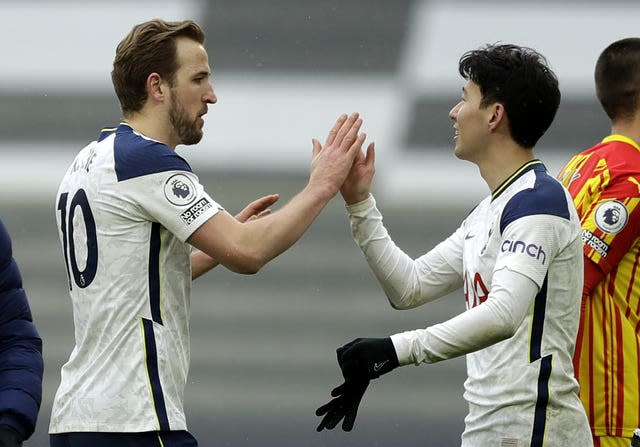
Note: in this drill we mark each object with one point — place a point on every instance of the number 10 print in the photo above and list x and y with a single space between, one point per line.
85 277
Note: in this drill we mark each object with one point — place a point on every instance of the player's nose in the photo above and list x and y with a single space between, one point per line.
453 113
210 96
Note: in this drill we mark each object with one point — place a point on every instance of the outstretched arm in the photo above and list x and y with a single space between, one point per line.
201 263
407 282
245 248
365 359
497 319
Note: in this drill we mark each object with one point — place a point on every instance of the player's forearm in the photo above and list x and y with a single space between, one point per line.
247 247
201 263
277 232
391 266
468 332
495 320
406 282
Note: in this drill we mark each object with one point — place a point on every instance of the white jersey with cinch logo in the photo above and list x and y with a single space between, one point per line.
522 390
124 210
518 259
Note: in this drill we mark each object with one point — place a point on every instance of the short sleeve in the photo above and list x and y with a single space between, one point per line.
609 230
175 199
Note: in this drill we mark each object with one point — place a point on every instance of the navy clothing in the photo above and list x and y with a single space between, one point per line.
179 438
21 364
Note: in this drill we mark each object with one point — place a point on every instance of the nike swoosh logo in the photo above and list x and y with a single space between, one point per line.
469 236
378 366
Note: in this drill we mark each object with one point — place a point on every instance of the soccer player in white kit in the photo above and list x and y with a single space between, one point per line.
129 210
517 257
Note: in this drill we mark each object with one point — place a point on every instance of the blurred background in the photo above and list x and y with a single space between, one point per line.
263 346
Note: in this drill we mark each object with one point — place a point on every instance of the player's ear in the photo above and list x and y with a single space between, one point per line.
155 87
497 116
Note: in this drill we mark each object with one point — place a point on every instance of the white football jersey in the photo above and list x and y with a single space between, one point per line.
523 390
519 248
124 210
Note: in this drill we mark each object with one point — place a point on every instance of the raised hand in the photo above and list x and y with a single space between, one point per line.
332 162
357 185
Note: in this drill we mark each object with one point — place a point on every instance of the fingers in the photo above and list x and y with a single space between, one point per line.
259 215
355 392
350 416
345 126
355 148
344 134
339 390
333 413
263 203
348 133
329 421
344 407
257 208
334 130
324 409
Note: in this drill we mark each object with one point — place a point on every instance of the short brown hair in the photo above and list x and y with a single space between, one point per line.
148 48
617 78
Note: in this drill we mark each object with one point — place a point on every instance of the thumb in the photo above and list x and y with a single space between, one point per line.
371 153
317 147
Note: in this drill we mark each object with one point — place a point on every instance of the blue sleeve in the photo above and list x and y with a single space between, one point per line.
21 364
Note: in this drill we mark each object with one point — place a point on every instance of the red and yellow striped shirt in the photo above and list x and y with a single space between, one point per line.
604 182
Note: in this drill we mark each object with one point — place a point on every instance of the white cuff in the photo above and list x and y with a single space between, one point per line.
360 209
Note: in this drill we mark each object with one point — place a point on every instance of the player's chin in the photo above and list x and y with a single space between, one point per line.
197 137
193 137
457 149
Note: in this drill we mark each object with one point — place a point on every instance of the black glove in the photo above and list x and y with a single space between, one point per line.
360 361
9 437
344 406
367 358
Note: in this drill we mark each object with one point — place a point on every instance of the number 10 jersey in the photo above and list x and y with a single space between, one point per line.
125 208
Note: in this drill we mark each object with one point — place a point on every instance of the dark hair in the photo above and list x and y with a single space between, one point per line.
520 79
618 78
149 47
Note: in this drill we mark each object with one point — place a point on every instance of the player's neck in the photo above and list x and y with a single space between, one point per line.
628 128
502 162
151 127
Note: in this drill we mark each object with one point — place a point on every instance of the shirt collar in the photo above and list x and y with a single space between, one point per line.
528 166
622 139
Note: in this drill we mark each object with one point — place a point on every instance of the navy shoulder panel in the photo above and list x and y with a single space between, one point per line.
136 156
104 133
546 197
